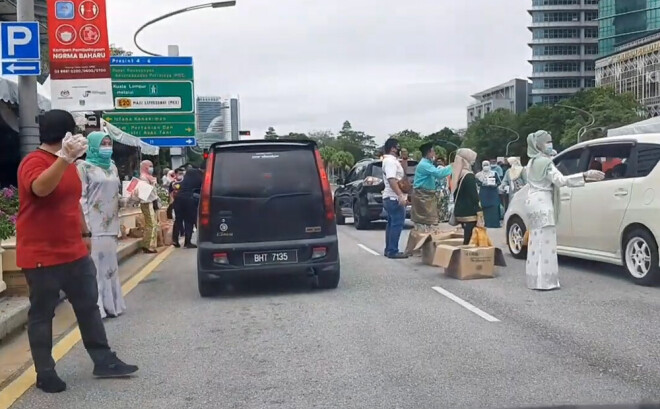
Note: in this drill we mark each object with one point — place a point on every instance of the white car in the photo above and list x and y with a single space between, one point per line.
614 221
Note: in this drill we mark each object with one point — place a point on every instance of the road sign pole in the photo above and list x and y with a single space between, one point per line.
176 154
28 104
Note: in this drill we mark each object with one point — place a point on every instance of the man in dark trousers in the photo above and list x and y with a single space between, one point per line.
52 248
186 202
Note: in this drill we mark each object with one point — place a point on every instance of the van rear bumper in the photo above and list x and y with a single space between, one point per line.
209 271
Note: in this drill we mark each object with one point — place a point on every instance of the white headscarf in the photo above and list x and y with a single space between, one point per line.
516 168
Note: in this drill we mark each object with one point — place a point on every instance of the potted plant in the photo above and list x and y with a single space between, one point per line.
8 212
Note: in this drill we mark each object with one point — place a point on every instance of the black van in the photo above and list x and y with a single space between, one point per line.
266 208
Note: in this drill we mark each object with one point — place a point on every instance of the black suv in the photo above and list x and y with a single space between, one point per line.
266 208
360 195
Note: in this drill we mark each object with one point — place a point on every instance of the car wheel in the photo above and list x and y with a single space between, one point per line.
359 219
206 289
640 256
515 238
329 280
341 220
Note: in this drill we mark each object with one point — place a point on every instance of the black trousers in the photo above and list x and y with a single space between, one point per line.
185 217
467 232
78 280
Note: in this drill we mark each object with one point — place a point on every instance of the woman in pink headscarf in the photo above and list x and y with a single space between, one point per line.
149 240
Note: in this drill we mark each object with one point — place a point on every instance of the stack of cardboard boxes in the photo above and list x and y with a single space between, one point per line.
446 250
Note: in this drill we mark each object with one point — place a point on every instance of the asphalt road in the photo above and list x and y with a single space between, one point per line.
384 339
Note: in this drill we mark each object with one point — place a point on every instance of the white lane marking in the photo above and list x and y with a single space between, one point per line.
368 250
466 304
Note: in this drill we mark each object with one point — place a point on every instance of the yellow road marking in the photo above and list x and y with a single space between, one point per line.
20 385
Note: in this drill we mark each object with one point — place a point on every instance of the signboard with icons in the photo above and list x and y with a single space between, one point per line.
79 55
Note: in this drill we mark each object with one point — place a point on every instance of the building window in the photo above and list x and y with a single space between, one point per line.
557 33
591 32
550 99
554 2
591 2
557 50
591 49
557 67
590 82
590 15
556 16
555 83
589 66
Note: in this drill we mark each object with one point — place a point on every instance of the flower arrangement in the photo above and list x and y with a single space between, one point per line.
8 212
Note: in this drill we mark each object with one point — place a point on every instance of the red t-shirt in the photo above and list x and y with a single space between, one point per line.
48 229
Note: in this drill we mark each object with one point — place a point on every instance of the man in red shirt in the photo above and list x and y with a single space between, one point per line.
52 248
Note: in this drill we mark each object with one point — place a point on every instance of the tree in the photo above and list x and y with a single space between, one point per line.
323 138
357 143
446 138
343 161
297 136
117 51
409 140
271 134
327 154
609 109
488 140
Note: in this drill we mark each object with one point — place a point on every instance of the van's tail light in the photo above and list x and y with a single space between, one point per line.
205 196
325 185
220 258
319 252
372 181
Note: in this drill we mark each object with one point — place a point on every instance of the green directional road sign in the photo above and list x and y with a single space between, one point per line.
153 125
146 73
164 96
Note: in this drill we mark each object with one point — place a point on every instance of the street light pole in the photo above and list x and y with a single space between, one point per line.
215 5
592 120
28 103
510 142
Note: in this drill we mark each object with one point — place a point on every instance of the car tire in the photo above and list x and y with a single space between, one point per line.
206 289
329 280
341 220
640 257
360 220
515 234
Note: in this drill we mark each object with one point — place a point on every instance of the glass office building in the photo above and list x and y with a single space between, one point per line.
564 48
624 21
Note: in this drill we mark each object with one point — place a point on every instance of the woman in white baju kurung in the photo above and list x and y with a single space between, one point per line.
542 269
100 204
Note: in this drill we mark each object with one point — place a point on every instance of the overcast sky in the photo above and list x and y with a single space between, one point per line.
302 65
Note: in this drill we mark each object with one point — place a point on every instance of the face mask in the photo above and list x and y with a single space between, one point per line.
151 171
105 152
486 168
548 148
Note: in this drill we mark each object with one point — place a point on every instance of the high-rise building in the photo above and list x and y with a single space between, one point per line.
225 117
564 47
512 96
625 21
207 109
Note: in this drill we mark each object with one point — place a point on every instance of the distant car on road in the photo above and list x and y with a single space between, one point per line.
266 208
360 195
614 221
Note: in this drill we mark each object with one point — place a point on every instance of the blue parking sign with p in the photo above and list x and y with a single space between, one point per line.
20 40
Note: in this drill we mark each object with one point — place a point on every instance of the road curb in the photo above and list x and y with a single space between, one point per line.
14 310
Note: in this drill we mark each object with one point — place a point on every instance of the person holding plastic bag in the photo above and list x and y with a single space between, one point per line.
515 179
467 209
489 181
542 205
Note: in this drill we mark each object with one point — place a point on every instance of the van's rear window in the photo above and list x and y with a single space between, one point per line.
265 173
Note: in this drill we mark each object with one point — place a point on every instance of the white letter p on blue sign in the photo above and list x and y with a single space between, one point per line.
20 40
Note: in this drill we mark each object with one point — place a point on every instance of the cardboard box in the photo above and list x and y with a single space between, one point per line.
417 239
468 262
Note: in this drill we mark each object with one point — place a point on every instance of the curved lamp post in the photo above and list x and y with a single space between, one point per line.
215 5
510 142
584 129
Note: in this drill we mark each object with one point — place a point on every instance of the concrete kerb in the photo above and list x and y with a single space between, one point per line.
14 310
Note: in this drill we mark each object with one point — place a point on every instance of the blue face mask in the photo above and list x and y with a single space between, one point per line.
548 149
105 152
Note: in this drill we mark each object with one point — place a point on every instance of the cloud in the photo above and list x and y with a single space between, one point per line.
300 65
